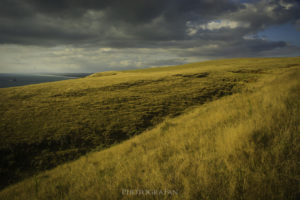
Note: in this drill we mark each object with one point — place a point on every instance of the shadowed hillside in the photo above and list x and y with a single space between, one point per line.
222 148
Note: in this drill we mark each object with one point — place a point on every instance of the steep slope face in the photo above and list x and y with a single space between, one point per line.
47 124
243 146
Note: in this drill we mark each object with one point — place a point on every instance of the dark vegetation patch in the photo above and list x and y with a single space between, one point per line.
254 71
42 132
197 75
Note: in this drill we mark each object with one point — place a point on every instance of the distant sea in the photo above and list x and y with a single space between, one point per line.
12 80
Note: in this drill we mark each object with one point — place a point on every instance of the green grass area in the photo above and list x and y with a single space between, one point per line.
241 146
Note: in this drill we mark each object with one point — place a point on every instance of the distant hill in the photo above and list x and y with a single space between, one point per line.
210 130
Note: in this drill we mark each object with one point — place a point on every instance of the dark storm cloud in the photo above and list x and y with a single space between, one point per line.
115 21
167 24
133 11
14 9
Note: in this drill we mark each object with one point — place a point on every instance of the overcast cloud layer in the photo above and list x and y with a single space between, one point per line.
93 35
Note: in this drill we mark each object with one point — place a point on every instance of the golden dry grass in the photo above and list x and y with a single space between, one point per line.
242 146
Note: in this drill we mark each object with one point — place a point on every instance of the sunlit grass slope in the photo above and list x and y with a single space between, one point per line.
241 145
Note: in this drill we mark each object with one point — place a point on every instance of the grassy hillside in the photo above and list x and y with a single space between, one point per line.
242 145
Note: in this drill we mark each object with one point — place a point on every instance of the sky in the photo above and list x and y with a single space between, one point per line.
93 36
